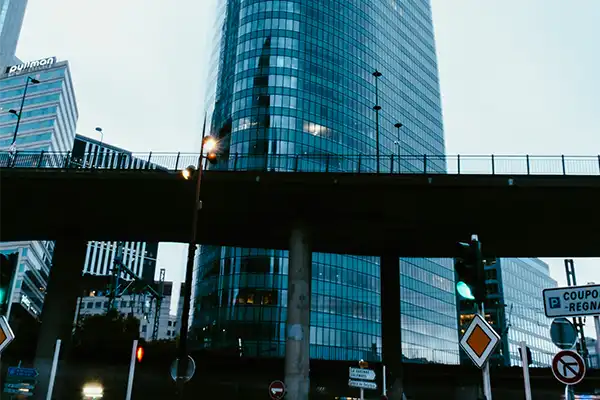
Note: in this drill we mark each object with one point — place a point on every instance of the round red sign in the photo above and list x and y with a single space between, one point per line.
568 367
277 390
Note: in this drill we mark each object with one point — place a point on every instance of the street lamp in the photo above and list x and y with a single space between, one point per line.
99 130
209 144
377 107
20 112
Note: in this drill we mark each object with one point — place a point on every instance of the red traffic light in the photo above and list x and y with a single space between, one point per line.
139 354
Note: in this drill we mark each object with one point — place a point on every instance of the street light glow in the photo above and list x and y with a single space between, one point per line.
187 173
210 144
93 391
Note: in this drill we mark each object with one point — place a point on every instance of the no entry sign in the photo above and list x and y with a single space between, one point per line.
568 367
277 390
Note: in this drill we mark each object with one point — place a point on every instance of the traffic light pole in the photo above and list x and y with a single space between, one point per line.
480 300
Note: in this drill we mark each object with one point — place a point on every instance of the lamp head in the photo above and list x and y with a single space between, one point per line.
34 81
188 172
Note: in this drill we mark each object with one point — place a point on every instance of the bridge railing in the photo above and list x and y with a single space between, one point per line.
387 164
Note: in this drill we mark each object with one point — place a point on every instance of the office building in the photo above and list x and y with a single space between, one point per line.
48 121
301 77
515 308
49 115
12 13
140 257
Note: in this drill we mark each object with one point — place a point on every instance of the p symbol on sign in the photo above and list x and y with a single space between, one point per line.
554 302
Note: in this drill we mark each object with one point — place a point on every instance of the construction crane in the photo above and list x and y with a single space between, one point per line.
119 287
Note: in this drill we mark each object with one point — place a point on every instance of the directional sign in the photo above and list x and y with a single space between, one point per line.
18 372
568 367
277 390
359 373
572 301
479 341
6 334
362 384
563 333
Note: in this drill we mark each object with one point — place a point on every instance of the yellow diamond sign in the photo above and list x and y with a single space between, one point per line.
479 341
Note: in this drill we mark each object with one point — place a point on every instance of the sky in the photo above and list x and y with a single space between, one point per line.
517 77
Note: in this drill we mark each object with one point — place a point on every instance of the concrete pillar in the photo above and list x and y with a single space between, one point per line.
297 353
59 308
391 332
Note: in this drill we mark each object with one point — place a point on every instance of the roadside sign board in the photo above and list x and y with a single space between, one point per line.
479 341
563 333
364 374
574 301
362 384
6 334
568 367
18 372
277 390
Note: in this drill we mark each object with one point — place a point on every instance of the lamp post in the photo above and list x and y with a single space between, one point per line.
377 107
398 125
209 144
99 130
20 112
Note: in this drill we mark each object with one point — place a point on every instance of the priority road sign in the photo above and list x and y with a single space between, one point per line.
568 367
479 341
573 301
6 334
277 390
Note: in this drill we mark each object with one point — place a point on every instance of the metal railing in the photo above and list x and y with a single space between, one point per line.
388 164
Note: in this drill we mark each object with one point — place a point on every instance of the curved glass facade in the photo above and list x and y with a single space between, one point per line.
296 77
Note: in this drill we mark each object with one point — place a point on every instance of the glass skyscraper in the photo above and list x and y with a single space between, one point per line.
12 13
515 308
298 77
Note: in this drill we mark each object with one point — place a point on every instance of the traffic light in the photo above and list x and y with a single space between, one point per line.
8 265
139 354
470 279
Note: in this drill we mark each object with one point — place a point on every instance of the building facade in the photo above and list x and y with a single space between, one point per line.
302 78
140 306
48 121
12 13
140 257
515 308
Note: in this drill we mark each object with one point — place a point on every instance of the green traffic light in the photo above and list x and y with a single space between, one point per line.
2 295
464 291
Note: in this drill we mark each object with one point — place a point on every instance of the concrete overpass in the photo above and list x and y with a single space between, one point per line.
388 215
414 215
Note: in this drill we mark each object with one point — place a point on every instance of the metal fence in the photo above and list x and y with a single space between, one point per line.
386 164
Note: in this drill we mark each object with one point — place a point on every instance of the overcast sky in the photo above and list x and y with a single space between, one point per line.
517 77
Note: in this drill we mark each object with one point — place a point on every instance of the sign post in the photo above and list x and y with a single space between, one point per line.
362 378
479 342
131 370
525 362
53 370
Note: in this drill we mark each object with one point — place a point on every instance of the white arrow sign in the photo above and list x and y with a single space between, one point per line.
362 384
359 373
276 390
